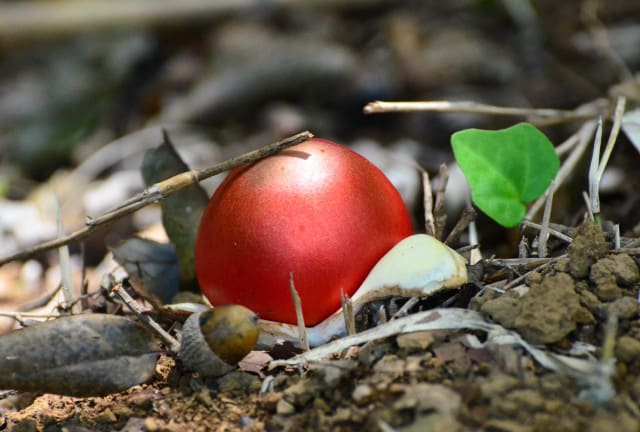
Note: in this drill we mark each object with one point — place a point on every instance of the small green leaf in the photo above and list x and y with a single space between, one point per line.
506 168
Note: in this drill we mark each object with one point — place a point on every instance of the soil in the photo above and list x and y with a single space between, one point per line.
416 381
583 302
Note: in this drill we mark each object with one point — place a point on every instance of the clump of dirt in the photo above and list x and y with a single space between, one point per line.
570 293
589 245
449 386
614 276
548 312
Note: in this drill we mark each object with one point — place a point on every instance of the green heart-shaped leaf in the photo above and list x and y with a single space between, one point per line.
506 168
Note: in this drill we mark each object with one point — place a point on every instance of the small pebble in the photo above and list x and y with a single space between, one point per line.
362 394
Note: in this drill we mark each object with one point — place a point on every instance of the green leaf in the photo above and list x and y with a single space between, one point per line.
506 168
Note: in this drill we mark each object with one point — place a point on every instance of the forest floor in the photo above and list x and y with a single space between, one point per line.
231 81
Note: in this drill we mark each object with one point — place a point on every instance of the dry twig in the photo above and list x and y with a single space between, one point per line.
439 212
34 18
347 312
546 217
613 135
297 303
466 218
526 264
65 263
599 163
158 192
21 316
520 278
475 256
538 116
429 224
514 262
593 203
123 295
551 231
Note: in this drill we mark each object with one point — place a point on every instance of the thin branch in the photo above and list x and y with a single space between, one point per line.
587 203
169 340
439 211
542 115
520 278
514 262
567 145
613 136
66 279
464 249
404 309
527 264
158 192
475 255
468 215
20 316
429 224
594 184
42 301
34 18
551 231
347 313
544 231
297 304
599 164
161 190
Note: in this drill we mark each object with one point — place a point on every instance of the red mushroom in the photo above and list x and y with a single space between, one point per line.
317 210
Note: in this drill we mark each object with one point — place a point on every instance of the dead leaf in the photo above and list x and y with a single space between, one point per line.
255 362
81 355
181 212
154 264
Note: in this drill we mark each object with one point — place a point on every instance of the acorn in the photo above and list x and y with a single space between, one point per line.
215 340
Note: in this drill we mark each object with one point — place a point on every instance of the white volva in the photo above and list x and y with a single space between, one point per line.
418 266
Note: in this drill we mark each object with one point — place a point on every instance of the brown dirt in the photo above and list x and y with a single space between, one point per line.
420 381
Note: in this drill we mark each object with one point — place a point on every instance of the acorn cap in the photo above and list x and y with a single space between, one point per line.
215 340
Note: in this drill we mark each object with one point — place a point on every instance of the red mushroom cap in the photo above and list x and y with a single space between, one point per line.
317 210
